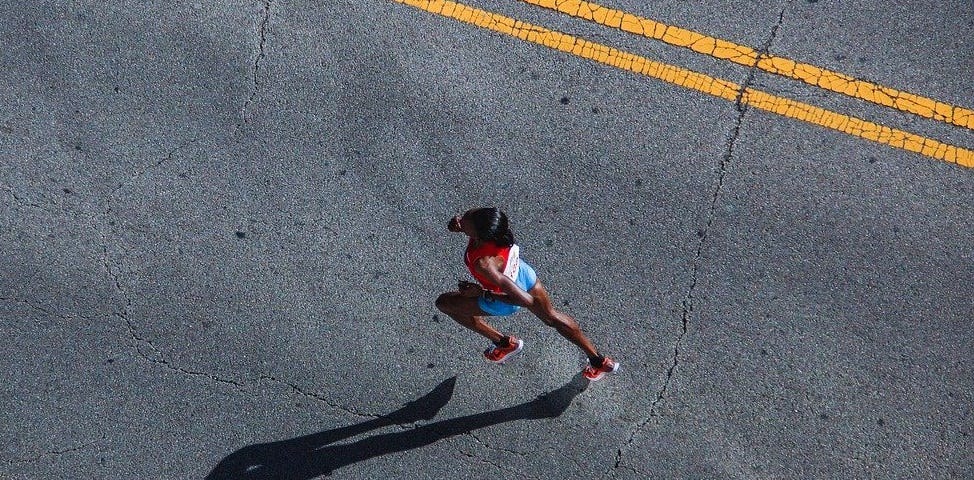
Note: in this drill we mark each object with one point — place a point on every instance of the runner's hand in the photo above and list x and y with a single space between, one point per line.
468 289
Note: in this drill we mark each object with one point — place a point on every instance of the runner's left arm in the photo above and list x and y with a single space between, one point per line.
491 267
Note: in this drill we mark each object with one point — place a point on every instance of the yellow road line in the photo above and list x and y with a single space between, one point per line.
747 56
696 81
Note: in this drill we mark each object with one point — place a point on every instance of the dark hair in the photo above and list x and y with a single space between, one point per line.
491 224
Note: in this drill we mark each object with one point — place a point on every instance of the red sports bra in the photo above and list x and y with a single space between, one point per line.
510 255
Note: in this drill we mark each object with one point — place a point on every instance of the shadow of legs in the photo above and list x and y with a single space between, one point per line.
307 457
267 460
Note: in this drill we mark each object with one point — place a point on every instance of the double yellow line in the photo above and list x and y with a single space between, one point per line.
748 57
721 88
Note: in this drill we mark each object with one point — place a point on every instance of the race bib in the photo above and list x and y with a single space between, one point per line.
513 266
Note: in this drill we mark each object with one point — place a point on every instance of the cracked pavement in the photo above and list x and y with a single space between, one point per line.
222 234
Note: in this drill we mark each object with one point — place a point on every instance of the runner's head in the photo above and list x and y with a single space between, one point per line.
488 224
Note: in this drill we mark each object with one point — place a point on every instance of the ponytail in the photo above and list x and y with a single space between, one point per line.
491 224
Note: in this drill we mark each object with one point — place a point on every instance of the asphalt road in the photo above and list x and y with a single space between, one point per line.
222 230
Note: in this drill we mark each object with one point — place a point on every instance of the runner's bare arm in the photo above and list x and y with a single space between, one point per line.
491 267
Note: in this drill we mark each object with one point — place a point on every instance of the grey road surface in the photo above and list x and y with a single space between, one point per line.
222 231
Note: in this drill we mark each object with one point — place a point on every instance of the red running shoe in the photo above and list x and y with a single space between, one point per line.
497 354
595 374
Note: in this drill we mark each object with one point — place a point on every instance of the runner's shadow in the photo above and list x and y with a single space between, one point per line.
311 456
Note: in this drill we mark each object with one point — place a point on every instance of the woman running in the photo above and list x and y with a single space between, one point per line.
507 283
